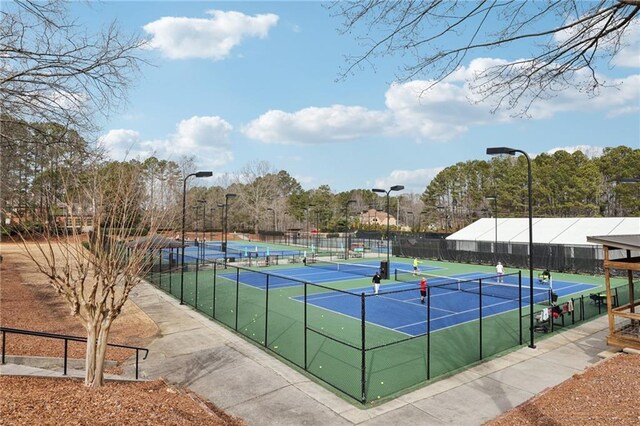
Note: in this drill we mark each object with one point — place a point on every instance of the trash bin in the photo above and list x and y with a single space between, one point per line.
384 269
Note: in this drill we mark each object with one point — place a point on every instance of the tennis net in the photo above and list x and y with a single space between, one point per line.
487 285
349 268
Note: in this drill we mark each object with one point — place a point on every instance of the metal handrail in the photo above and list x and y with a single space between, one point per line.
66 339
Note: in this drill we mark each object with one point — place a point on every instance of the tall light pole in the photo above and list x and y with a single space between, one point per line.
495 214
274 218
346 224
382 191
204 225
512 151
306 216
200 174
413 220
225 231
211 210
284 226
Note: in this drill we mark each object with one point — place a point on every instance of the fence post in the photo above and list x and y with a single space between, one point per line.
305 326
213 302
195 299
363 378
3 345
520 303
137 351
480 310
65 356
237 295
428 333
266 312
170 272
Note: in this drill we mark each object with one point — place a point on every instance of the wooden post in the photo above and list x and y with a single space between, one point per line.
632 298
607 283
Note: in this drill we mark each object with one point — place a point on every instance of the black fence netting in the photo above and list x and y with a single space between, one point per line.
337 335
555 257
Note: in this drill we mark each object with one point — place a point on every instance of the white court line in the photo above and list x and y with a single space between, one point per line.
409 301
463 312
352 317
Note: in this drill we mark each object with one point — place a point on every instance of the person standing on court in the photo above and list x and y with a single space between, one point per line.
416 262
500 272
376 282
423 289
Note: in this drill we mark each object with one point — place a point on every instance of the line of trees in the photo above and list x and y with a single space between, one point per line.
564 185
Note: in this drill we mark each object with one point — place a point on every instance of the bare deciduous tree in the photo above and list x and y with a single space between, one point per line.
95 274
53 70
570 38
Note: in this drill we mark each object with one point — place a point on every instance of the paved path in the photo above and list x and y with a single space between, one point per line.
249 383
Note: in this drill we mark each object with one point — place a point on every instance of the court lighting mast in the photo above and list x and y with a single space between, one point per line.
382 191
204 227
346 224
513 151
201 174
495 215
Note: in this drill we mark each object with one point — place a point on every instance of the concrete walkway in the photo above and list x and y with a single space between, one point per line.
247 382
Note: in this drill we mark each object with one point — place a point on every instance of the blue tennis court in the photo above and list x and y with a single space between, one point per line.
213 251
403 312
313 274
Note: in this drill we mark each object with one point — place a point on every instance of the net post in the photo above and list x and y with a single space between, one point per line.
480 313
520 303
363 376
237 296
266 312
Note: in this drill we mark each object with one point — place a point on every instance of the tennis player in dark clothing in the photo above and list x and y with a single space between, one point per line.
423 289
376 282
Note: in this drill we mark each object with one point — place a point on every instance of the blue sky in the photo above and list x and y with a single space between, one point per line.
233 83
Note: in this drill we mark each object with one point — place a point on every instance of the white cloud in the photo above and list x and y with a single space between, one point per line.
120 143
213 38
316 125
588 150
422 110
205 138
414 181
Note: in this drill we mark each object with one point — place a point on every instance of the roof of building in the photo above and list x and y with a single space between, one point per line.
568 231
627 242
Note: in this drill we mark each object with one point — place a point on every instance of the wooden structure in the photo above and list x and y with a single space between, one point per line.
624 320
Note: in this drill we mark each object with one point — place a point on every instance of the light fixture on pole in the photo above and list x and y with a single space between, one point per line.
382 191
346 224
512 151
225 231
200 174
